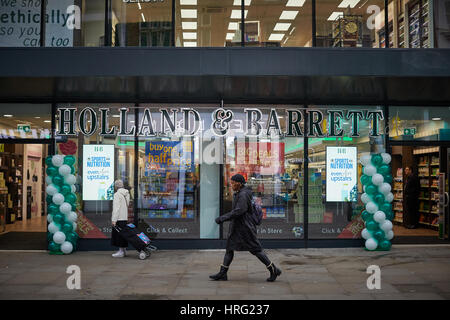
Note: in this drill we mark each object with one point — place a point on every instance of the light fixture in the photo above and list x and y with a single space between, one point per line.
348 3
8 115
190 35
189 13
335 15
47 121
436 119
281 26
238 2
188 2
139 5
288 15
37 117
292 30
230 36
233 26
276 36
295 3
236 14
189 44
143 18
188 25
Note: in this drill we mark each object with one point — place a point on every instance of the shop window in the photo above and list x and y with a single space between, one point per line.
208 23
141 24
419 123
335 208
272 166
101 160
350 24
75 23
411 23
25 121
282 23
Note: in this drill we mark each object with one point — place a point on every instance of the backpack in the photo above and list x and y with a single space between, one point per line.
256 212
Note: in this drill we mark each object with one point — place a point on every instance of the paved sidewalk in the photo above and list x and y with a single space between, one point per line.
407 272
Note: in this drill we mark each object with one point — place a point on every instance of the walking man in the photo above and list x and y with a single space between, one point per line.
242 231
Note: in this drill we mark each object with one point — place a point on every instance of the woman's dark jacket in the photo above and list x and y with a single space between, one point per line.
242 234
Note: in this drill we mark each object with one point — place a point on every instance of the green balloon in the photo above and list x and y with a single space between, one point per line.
386 207
52 171
379 198
72 237
48 161
389 215
365 180
379 235
72 170
366 216
53 208
371 189
66 189
58 180
67 228
74 206
54 247
384 169
385 245
372 225
377 160
388 178
69 160
49 199
58 218
49 237
71 198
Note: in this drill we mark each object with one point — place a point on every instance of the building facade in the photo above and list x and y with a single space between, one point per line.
141 79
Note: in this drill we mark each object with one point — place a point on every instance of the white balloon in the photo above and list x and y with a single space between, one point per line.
74 189
389 197
389 235
70 179
379 217
57 160
49 218
48 180
75 226
53 228
366 234
72 216
386 158
371 207
365 198
385 188
370 170
377 179
365 159
64 170
51 189
66 247
65 208
386 226
58 199
59 237
371 244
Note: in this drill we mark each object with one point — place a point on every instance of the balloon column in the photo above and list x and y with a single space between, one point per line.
61 204
377 197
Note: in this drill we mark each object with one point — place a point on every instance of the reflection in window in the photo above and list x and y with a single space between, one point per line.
208 23
147 24
350 23
419 123
280 23
25 121
75 23
410 23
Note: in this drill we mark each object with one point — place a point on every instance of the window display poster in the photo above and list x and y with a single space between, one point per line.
98 172
260 158
341 174
169 155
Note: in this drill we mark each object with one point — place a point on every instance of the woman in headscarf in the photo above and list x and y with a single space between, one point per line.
120 217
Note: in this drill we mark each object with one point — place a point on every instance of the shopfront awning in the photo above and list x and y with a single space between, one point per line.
236 75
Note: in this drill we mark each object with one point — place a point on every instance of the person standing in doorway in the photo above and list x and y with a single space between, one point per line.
242 232
411 199
120 218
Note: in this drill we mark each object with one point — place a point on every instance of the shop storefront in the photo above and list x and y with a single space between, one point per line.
175 123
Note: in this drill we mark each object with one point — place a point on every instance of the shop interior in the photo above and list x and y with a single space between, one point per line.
22 192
